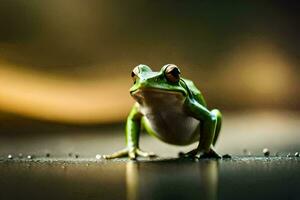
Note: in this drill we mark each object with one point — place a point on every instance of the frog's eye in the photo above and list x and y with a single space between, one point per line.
134 73
172 73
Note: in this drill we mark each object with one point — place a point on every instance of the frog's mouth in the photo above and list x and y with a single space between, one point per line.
157 90
156 95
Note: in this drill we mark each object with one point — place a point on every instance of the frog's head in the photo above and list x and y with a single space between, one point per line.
166 80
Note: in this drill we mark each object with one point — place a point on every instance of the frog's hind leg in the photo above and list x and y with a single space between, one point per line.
218 126
208 126
212 152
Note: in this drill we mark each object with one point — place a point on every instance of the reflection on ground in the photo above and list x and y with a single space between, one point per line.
238 178
172 179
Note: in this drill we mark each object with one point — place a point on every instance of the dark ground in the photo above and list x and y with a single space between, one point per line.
71 178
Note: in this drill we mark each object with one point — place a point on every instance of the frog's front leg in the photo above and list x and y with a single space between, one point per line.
209 129
133 128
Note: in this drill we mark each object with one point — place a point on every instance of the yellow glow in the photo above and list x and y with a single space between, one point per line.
258 73
34 94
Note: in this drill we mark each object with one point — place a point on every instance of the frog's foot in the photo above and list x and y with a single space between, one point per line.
132 153
191 154
119 154
211 154
138 152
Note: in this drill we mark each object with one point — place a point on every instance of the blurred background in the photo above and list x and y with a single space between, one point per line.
65 70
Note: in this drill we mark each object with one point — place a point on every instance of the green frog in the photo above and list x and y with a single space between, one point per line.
171 109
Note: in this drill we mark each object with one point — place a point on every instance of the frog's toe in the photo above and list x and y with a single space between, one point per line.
132 155
191 154
210 155
145 154
107 157
118 154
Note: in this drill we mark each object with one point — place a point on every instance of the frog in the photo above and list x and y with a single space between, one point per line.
172 109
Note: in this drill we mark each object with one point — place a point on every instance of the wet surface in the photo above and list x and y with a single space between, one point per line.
84 178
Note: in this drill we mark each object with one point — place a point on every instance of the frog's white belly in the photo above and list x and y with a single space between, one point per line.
164 112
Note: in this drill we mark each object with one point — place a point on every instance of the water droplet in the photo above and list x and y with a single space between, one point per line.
266 152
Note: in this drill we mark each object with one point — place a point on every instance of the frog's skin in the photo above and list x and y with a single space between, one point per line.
171 109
